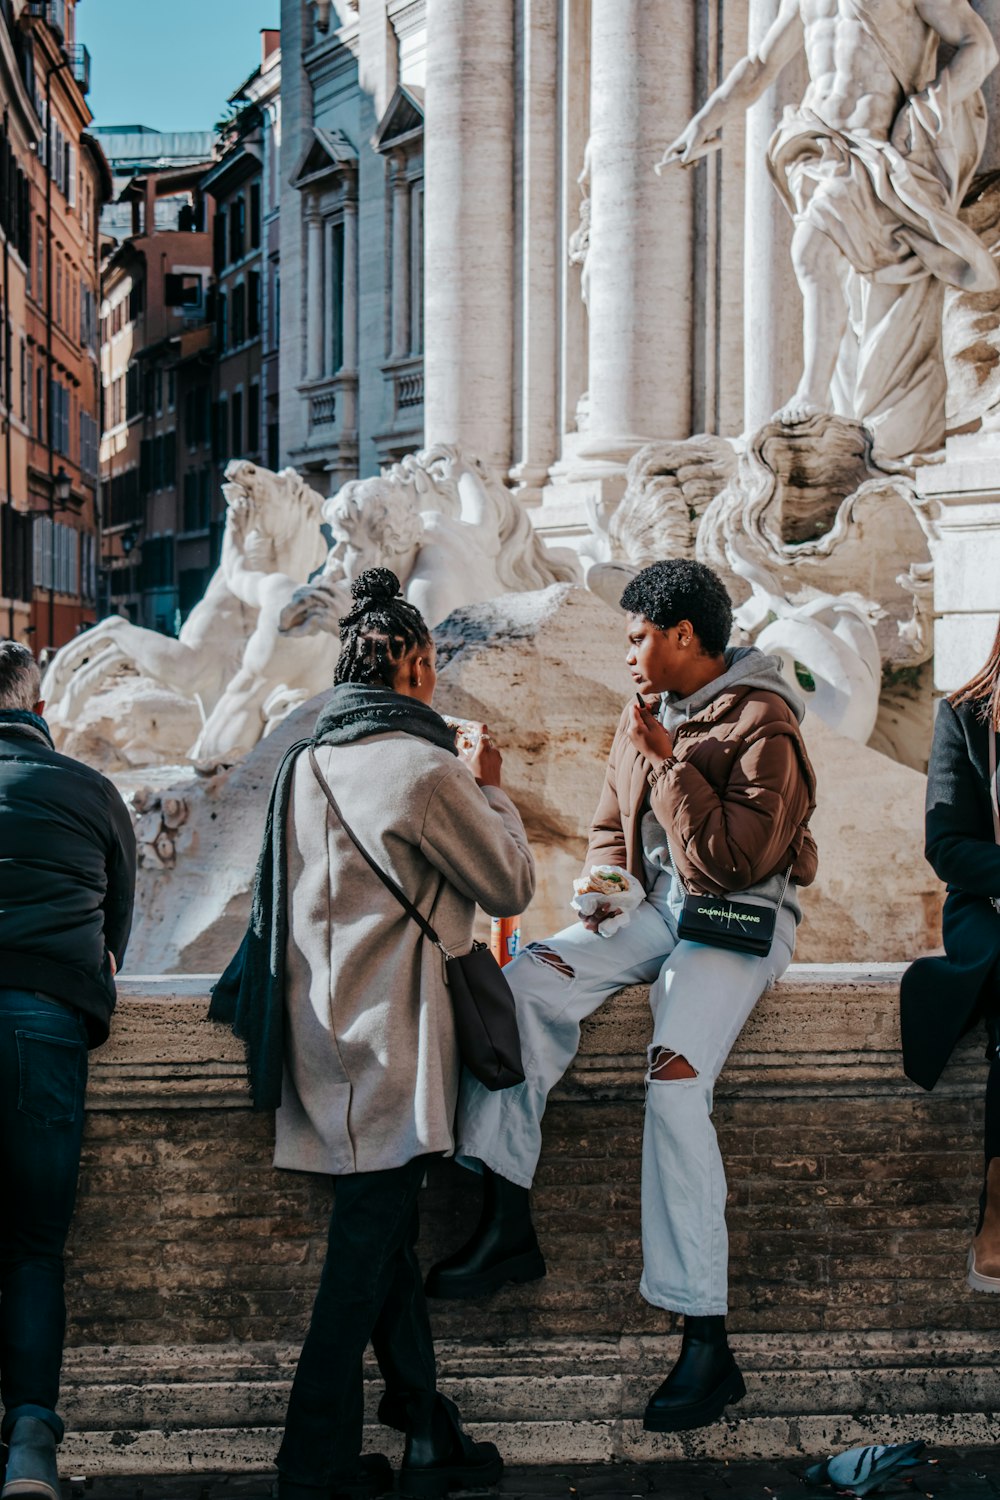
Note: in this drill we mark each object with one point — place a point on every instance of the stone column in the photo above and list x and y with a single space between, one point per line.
772 305
314 296
469 257
350 286
642 76
537 357
400 263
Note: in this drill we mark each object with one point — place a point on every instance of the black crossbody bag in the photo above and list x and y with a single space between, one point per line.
727 922
481 999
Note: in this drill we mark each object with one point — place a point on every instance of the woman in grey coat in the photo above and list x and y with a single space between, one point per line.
371 1069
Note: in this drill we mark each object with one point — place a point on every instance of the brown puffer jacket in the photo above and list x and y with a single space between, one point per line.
735 800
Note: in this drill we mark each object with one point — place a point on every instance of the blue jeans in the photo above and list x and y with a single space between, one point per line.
43 1078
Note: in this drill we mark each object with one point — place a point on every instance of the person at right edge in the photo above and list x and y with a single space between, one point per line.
709 791
942 998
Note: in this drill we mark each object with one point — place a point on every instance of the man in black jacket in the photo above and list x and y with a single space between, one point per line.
67 878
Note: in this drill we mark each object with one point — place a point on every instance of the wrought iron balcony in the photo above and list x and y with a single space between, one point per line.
79 58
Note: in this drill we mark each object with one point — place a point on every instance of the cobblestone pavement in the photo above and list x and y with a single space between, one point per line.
962 1474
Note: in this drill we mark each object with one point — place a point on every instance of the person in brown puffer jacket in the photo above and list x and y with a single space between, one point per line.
708 790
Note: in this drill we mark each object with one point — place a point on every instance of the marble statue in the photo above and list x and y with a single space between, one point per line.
447 527
827 646
873 165
259 644
578 249
225 656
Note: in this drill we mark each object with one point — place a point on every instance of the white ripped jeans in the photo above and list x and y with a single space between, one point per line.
700 999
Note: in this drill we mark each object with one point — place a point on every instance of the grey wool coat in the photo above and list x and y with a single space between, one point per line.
371 1065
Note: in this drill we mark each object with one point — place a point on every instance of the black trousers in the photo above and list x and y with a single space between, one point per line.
370 1291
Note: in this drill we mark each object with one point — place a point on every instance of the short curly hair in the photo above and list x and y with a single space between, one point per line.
679 589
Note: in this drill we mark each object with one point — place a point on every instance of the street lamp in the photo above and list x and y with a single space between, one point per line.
62 487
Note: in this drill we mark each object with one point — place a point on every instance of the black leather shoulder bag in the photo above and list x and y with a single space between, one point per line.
727 922
481 999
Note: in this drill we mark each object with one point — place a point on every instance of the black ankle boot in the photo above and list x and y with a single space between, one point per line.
703 1382
503 1248
440 1457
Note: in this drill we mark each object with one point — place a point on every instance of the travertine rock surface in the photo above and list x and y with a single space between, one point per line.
130 721
875 897
546 671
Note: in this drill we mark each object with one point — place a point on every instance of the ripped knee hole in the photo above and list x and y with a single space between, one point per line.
666 1066
550 959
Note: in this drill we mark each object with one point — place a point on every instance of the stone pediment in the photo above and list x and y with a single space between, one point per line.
329 154
403 120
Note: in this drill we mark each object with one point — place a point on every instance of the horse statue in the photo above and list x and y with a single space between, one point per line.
446 525
271 542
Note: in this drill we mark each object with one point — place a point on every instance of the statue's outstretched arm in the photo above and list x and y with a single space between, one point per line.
749 79
975 55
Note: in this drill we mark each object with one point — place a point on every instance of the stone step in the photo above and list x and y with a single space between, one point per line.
852 1193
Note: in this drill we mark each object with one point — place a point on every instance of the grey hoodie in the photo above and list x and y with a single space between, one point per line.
744 665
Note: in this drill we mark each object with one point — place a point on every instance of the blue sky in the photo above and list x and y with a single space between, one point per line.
170 66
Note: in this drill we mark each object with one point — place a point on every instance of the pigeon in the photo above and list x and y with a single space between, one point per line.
861 1471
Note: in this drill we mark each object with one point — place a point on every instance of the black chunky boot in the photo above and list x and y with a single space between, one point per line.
440 1457
503 1248
703 1382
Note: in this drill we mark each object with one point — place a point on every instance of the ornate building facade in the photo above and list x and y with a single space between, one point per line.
352 235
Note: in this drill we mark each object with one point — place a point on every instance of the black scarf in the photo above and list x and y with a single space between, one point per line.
250 995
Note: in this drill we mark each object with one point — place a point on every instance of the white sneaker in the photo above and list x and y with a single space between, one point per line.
976 1280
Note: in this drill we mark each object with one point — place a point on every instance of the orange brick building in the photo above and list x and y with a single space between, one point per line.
52 392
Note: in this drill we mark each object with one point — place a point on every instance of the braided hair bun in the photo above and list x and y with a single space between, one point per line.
375 586
381 628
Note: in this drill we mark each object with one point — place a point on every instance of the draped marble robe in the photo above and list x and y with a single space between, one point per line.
891 209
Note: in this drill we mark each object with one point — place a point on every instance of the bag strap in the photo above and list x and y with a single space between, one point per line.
994 794
386 880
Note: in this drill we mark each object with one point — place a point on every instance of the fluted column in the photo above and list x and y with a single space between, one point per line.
537 354
400 263
772 305
640 264
315 321
469 253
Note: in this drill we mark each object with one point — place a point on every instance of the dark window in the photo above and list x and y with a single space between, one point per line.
220 321
272 445
255 215
237 223
170 459
237 429
219 242
220 430
16 553
253 419
253 309
239 314
146 465
182 290
136 300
